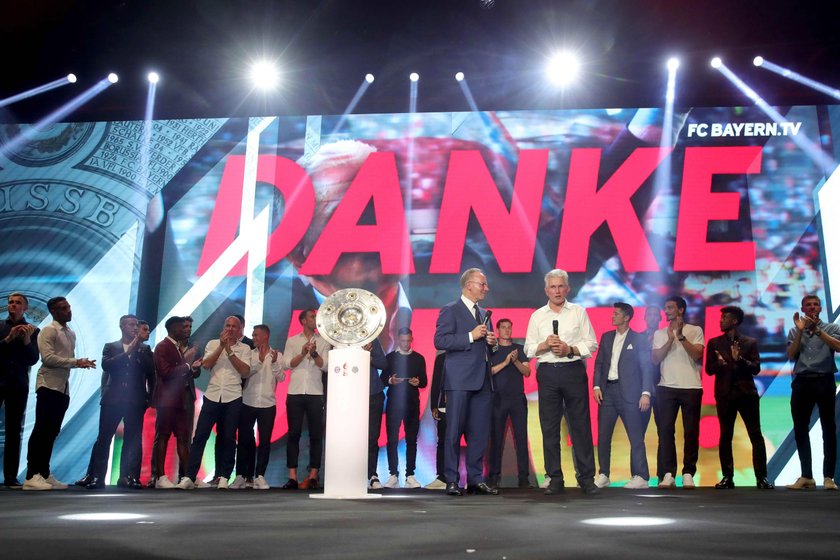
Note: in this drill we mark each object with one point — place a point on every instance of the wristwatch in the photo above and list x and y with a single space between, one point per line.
571 354
681 338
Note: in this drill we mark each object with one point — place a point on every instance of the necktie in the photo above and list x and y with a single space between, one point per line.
477 316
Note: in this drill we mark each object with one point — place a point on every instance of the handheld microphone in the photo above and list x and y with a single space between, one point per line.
555 325
487 322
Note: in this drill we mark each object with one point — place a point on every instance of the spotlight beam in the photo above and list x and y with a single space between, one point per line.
35 91
823 160
363 87
30 133
799 78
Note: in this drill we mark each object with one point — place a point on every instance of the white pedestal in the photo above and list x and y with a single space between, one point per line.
345 470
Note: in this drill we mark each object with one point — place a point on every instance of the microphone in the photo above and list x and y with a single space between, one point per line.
487 322
555 324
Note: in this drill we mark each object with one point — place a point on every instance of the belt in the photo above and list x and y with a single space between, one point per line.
611 381
558 364
811 375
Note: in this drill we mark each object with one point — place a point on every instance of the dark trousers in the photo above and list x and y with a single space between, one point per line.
50 407
14 403
611 409
250 460
171 420
440 452
211 414
409 416
515 408
566 389
375 405
310 407
728 409
469 413
655 411
807 392
670 402
110 416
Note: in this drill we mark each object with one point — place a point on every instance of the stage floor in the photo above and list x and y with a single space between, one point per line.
700 523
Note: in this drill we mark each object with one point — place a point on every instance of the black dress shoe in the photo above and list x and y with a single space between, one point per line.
453 490
764 484
84 481
123 482
151 483
590 489
131 483
481 488
726 483
12 483
525 483
555 487
291 484
95 484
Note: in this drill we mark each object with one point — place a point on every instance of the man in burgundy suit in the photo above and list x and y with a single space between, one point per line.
174 371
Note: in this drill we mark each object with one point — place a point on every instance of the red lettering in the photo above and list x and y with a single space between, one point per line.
377 180
587 207
699 205
512 235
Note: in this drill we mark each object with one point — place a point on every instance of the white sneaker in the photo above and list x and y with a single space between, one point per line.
37 482
374 484
238 483
260 483
602 480
436 484
637 483
55 483
200 484
223 484
393 482
163 482
829 484
546 482
688 481
411 482
667 481
185 483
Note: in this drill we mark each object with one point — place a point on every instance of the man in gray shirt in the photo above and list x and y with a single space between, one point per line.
811 346
57 344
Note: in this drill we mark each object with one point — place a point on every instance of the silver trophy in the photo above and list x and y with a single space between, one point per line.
351 317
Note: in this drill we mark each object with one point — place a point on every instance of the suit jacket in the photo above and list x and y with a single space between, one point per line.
173 375
127 379
733 379
466 363
635 368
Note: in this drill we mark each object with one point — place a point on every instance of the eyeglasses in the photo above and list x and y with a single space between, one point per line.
482 284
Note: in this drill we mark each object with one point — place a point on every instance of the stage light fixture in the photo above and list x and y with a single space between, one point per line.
459 76
369 78
71 78
103 516
113 78
758 61
264 75
414 76
563 68
716 62
673 63
153 77
629 521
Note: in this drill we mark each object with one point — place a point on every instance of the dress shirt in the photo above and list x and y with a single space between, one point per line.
306 378
574 329
260 387
679 370
618 345
57 345
471 305
815 356
225 383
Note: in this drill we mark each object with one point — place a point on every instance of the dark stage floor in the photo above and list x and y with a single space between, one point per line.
701 523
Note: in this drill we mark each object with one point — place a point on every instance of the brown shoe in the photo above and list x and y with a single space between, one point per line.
802 483
829 484
309 484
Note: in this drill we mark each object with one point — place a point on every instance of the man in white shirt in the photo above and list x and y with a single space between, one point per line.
560 337
57 344
306 357
678 351
229 361
259 405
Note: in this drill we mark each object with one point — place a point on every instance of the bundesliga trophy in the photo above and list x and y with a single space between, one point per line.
348 319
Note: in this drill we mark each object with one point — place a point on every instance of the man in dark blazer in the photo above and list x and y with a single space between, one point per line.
465 333
128 377
733 359
623 383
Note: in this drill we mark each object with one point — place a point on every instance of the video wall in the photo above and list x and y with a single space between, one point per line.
266 216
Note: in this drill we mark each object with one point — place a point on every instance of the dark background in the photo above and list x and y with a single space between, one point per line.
202 49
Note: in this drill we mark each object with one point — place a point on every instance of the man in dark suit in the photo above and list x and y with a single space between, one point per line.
733 359
128 377
464 332
623 383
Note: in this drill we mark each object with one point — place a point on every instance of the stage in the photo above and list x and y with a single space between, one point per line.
700 523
